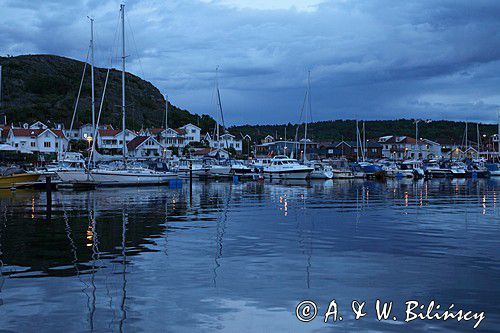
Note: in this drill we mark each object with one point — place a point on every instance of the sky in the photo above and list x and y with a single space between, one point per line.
374 59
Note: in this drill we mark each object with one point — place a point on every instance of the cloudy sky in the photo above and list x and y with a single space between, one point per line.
373 59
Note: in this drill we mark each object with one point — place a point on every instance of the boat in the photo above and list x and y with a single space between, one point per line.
477 169
283 167
320 171
340 168
130 176
189 166
494 169
414 166
458 169
433 169
124 174
230 168
13 177
369 170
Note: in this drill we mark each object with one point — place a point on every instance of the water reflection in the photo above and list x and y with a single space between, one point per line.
154 259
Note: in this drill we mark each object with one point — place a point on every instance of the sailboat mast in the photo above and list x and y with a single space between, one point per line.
357 141
478 138
122 9
92 78
498 123
92 71
166 111
363 144
309 100
218 101
466 135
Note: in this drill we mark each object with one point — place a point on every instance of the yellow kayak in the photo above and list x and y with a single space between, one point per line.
17 179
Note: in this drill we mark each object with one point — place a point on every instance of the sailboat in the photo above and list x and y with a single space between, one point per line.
229 167
494 167
124 174
284 167
128 175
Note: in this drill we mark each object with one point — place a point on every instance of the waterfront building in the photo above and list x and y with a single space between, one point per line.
112 140
351 150
145 147
40 140
226 141
405 147
288 148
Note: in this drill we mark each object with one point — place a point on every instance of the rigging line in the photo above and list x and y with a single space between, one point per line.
79 91
135 46
98 118
300 119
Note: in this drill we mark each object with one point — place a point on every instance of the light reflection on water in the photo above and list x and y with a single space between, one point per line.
240 257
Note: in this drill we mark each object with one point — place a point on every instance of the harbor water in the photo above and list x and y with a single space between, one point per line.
240 256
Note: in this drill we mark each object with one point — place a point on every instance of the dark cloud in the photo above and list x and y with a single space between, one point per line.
369 59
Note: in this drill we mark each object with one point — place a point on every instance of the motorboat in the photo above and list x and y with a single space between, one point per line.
229 168
13 177
416 168
341 169
477 169
283 167
494 169
321 171
433 169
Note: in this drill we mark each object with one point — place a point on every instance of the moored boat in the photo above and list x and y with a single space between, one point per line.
13 177
283 167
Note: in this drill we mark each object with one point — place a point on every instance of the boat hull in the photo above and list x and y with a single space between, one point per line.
129 178
17 179
299 174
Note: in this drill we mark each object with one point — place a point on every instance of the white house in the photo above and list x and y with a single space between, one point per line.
192 133
45 141
113 139
38 125
405 147
226 141
145 146
173 138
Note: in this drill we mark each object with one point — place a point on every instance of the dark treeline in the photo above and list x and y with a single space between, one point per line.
335 130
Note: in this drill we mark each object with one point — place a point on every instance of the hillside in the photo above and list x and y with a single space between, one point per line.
335 130
44 87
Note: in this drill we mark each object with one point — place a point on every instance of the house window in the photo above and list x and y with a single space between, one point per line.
57 144
193 131
46 144
33 144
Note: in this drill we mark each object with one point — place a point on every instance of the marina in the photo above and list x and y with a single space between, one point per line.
249 166
155 258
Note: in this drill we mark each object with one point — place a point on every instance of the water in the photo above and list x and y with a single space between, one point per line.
240 257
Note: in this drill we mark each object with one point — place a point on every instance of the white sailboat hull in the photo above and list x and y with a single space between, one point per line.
130 177
74 176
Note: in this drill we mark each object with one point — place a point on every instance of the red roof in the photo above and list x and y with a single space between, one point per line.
135 142
27 132
180 131
59 133
155 130
34 132
201 152
108 132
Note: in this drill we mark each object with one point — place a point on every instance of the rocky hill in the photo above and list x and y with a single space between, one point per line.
44 87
